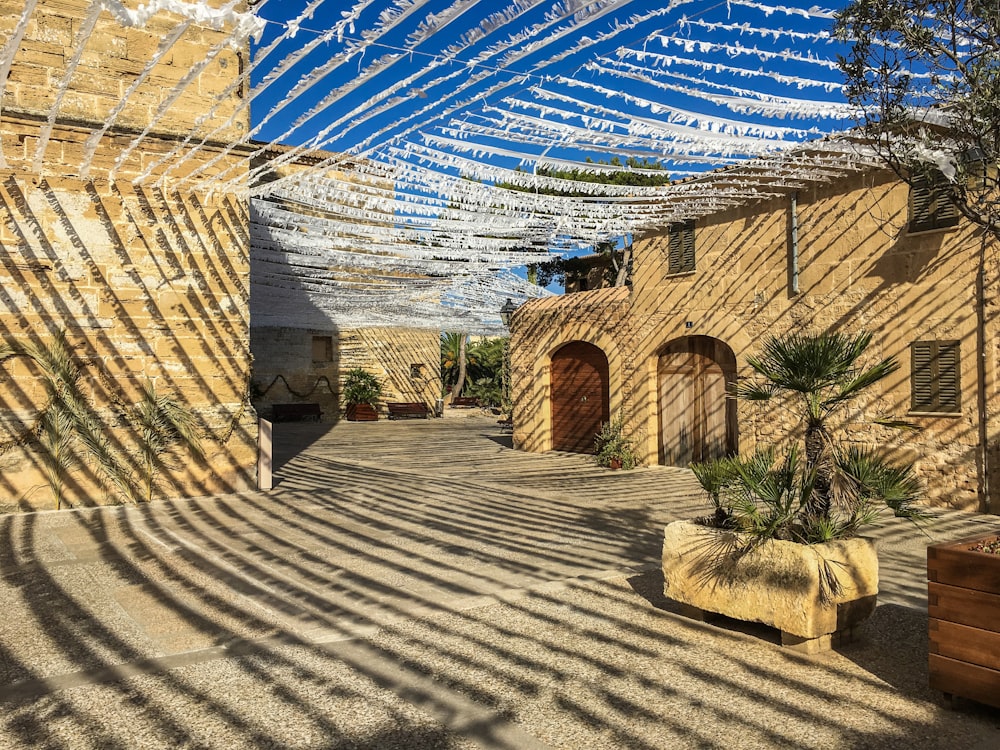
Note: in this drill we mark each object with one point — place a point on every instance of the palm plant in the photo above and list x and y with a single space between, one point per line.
486 363
361 387
822 373
69 420
163 426
70 428
716 477
834 491
57 439
767 496
455 359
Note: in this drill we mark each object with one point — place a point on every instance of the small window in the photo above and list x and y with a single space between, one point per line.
680 248
930 206
322 349
416 371
934 381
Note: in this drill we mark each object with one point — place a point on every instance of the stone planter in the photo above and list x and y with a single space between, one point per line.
963 603
778 584
361 413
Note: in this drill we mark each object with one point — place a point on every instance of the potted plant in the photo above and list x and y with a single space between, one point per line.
963 598
361 393
782 544
613 449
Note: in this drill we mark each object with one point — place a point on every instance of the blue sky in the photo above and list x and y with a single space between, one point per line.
684 33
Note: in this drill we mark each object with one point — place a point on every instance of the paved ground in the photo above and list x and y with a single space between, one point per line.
420 585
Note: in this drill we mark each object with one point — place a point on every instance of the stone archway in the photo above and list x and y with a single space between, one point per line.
698 421
579 396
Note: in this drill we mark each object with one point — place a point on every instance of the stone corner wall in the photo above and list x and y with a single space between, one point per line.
149 285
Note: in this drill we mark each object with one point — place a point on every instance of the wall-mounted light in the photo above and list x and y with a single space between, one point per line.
507 311
981 173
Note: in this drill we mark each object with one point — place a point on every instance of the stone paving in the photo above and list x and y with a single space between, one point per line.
419 584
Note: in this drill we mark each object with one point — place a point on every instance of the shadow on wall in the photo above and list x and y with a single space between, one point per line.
148 286
859 268
295 366
307 365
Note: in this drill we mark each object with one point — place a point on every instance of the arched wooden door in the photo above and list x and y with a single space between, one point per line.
697 419
578 396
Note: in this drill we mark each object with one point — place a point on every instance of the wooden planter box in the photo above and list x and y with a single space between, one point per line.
963 603
777 584
361 413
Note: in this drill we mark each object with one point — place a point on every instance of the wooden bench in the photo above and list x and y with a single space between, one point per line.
295 413
464 402
398 410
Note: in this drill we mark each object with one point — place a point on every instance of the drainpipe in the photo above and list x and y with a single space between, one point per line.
793 259
985 455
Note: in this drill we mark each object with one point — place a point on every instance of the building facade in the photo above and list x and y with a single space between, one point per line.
148 284
303 365
858 253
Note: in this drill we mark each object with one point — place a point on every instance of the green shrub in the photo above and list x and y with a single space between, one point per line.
610 444
361 387
827 491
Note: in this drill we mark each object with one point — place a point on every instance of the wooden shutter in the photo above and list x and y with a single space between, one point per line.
930 206
934 380
673 251
921 380
949 392
681 258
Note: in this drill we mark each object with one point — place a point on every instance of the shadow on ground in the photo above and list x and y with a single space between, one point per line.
418 585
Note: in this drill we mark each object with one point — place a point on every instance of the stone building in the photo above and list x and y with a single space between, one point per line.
301 354
856 253
149 283
588 272
296 365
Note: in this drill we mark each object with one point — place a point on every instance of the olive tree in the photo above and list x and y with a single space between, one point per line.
925 77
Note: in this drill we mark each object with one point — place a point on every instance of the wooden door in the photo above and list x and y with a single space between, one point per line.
578 396
677 396
697 420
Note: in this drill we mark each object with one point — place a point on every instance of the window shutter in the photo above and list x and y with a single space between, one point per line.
687 247
935 385
949 395
681 258
930 206
921 380
946 214
920 206
674 251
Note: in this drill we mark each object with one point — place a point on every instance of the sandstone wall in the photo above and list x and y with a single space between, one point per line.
860 270
147 282
112 64
542 326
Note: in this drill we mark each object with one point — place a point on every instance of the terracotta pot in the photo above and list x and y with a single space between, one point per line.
778 584
361 413
963 603
615 463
